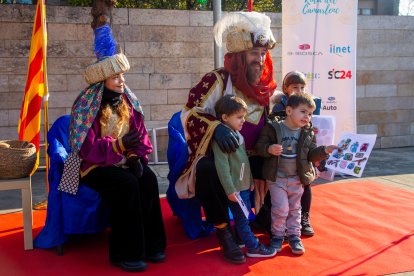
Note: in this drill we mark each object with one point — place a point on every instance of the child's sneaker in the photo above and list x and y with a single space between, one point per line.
296 245
261 251
276 243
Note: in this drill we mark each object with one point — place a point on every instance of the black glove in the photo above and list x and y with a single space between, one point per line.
226 138
132 139
135 166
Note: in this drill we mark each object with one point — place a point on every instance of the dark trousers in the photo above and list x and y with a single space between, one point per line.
137 228
306 199
210 192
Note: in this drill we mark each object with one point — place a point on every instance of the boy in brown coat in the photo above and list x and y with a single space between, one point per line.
289 148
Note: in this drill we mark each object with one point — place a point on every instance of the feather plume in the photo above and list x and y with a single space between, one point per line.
104 44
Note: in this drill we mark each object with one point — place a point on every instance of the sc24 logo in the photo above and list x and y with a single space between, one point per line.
339 74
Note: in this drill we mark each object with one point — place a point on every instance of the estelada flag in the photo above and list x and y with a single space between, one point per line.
29 122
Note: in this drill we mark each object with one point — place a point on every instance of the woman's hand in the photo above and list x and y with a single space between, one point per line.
275 149
132 139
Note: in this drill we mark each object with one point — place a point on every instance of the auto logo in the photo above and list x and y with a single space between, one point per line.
329 107
304 46
331 100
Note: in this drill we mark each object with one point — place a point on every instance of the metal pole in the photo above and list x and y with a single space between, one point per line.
218 56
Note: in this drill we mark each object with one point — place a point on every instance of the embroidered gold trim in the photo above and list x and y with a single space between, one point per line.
254 110
114 147
83 173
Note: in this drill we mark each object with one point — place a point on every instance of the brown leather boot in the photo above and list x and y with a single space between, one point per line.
231 250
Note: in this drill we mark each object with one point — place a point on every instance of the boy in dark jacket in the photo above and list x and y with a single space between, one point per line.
289 148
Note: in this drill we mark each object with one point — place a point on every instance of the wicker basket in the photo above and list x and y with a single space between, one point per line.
17 158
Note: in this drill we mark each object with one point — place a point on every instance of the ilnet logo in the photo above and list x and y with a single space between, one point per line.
338 50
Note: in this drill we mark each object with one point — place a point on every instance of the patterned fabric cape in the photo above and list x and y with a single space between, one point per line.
85 109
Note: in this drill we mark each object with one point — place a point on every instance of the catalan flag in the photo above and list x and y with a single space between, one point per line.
36 82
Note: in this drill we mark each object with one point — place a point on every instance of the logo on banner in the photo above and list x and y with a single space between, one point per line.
340 74
312 76
329 107
330 104
339 50
318 7
303 51
331 100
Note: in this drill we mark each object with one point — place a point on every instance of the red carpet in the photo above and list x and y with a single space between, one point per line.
362 228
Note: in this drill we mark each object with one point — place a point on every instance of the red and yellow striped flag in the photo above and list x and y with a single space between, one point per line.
29 122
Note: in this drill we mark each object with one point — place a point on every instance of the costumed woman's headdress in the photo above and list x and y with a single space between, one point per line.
110 61
243 31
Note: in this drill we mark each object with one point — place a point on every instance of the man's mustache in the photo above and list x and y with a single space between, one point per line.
256 63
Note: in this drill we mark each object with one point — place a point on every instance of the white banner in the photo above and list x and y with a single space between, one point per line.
319 39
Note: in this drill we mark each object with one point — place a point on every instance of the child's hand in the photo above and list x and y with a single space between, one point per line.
275 149
232 197
251 187
330 149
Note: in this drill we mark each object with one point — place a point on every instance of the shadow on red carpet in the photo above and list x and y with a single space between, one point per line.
362 228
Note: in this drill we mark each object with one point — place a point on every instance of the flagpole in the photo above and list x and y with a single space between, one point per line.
46 96
43 204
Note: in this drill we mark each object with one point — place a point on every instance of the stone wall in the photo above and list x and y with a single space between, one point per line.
385 79
169 50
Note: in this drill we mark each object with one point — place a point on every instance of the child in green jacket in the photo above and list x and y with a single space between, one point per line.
233 170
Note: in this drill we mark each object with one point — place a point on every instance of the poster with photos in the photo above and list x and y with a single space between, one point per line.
352 155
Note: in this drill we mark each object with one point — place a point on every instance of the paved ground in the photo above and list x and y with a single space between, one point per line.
393 167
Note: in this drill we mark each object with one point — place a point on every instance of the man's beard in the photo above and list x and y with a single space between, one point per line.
253 75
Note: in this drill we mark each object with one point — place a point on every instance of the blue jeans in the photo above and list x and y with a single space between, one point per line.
241 222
